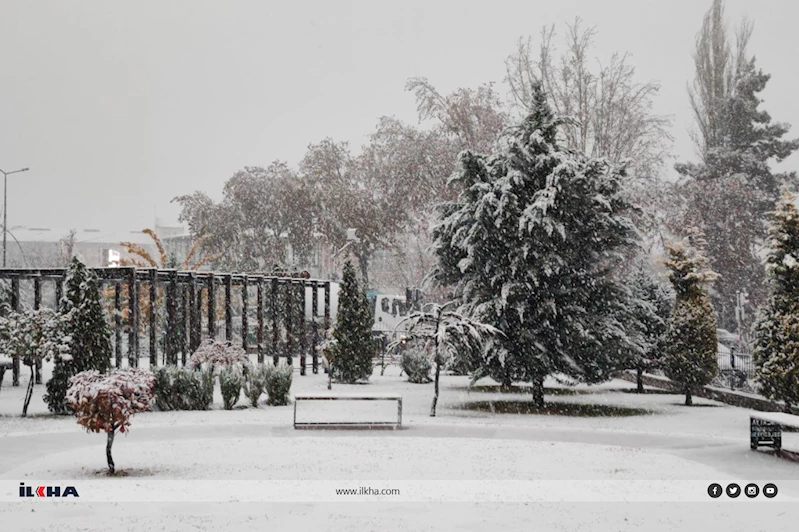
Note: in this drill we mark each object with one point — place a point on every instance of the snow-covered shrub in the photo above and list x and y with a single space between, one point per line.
416 363
226 360
255 383
278 384
183 389
105 403
231 380
216 355
90 336
33 336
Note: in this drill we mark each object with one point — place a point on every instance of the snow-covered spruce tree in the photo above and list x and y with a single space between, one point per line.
354 346
690 342
87 328
776 331
530 247
651 304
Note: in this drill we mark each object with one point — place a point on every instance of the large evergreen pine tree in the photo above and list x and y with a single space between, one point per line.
530 247
776 331
90 338
690 342
354 346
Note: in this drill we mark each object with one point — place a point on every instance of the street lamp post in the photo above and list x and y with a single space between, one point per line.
352 238
5 207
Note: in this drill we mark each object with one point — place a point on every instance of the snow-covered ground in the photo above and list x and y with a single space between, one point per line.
465 442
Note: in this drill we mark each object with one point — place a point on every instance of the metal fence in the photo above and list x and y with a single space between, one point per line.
173 311
736 368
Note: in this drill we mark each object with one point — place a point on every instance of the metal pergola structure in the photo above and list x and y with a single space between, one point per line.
190 298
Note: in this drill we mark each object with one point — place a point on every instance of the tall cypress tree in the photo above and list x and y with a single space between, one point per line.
733 187
776 331
531 247
90 337
354 346
690 342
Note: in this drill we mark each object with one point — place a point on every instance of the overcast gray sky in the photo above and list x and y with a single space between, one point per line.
118 107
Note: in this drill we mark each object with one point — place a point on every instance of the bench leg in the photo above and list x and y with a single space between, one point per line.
399 413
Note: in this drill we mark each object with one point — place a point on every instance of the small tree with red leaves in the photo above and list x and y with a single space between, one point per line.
105 403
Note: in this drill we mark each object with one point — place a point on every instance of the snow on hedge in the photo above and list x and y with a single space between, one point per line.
216 355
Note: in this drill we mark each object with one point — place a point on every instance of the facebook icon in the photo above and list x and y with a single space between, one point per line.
714 490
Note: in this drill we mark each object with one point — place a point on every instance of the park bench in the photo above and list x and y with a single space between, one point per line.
766 428
340 419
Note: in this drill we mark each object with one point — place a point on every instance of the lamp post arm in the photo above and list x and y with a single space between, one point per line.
337 253
5 207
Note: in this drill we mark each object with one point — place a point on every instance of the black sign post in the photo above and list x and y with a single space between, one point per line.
765 433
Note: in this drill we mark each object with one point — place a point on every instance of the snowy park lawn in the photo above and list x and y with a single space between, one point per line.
599 432
621 431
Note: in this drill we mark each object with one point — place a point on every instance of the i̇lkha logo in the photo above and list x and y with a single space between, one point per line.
47 491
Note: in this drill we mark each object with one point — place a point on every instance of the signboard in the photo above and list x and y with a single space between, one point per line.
765 433
110 258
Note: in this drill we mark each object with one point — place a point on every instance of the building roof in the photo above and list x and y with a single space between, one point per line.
87 235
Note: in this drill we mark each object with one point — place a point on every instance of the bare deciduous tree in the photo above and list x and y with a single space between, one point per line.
351 195
66 247
473 116
611 112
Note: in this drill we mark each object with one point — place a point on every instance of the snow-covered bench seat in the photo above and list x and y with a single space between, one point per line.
766 428
328 412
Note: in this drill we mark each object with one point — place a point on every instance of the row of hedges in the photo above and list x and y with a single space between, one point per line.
192 388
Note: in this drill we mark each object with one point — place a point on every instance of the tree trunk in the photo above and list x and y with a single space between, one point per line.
438 365
507 382
329 377
538 392
688 399
639 379
29 392
435 395
108 445
363 263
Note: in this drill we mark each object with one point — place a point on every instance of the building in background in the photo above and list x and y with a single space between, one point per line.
45 247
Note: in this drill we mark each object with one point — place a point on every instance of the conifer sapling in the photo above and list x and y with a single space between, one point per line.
87 327
776 331
354 346
690 342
